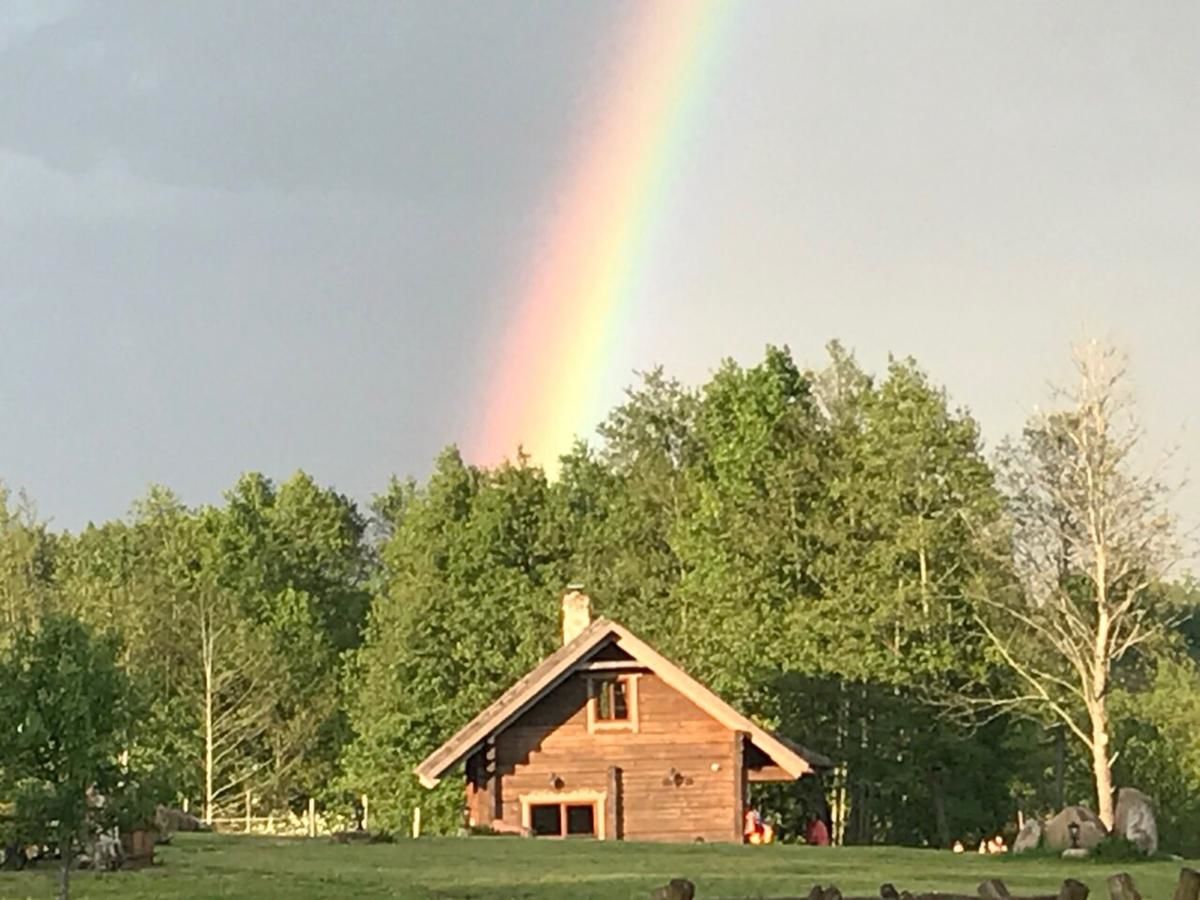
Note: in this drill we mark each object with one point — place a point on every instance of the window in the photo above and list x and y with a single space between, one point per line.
564 814
612 703
546 819
581 819
563 819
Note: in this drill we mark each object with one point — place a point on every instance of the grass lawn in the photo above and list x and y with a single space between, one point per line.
199 867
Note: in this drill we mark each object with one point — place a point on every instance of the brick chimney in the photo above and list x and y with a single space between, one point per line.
576 612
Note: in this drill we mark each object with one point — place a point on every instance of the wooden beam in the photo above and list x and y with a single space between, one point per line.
614 830
612 665
740 790
768 774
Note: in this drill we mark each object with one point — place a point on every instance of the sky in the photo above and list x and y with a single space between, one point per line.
274 236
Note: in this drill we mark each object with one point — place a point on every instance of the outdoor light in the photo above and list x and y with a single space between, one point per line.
1073 828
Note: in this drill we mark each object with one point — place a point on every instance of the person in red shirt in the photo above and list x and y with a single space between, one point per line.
817 833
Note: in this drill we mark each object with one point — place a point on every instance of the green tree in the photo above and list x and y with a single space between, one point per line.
463 613
67 713
28 558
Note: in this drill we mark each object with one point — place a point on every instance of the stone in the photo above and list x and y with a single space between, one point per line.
675 889
1029 837
888 892
1076 853
994 889
1057 833
1189 885
169 820
1134 820
1073 890
1120 887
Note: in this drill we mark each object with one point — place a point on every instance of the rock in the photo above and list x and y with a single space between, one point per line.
1029 837
1073 890
169 820
675 889
888 892
1189 885
1076 853
1057 832
994 889
1134 820
832 893
1120 887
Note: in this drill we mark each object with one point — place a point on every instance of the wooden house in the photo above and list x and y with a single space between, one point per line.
607 738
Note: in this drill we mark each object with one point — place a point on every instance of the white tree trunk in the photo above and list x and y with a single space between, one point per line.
208 648
1102 762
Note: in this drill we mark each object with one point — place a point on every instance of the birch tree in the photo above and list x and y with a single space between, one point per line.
233 695
1092 541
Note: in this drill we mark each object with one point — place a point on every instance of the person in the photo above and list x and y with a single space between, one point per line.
958 847
817 833
756 831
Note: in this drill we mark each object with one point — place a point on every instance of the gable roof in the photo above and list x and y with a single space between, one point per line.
555 668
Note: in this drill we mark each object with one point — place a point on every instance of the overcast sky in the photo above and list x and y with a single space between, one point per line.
277 235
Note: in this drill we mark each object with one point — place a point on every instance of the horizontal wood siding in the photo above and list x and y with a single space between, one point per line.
552 741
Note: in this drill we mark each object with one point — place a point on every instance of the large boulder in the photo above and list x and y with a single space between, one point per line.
1029 837
1057 832
1134 820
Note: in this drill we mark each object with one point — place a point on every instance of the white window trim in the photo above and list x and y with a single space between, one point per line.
599 800
594 723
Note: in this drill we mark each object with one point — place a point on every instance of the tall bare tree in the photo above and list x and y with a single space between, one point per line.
1092 539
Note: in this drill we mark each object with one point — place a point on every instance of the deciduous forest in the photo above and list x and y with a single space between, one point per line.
966 631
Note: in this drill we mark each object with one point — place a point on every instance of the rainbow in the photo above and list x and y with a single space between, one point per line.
553 376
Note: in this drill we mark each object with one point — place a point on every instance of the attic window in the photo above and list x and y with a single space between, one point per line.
612 703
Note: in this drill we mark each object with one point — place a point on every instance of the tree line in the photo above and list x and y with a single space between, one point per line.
966 634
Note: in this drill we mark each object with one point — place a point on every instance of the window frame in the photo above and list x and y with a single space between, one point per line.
563 800
630 723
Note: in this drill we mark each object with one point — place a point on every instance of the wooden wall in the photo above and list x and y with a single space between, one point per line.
552 739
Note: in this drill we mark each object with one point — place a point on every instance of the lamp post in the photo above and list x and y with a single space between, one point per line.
1073 830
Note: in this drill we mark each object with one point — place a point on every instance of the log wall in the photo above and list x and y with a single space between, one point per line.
550 749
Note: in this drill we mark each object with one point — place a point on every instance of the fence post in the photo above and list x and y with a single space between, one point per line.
416 822
247 812
312 817
366 813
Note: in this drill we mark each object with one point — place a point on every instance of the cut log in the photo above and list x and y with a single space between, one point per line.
676 889
888 892
1189 885
1073 890
994 889
1120 887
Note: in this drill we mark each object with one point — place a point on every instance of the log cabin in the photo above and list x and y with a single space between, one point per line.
606 738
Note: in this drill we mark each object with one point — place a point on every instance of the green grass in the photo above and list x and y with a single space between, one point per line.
199 867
